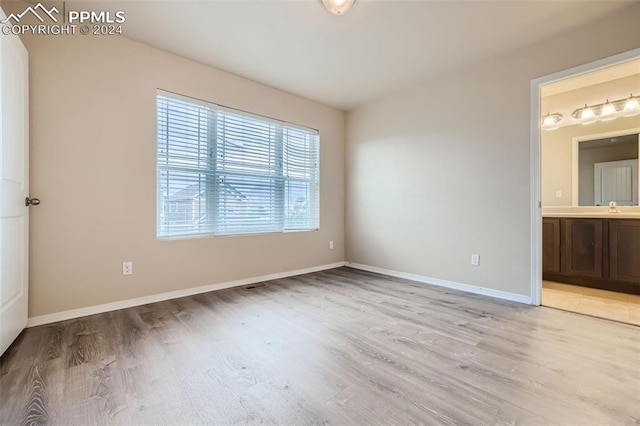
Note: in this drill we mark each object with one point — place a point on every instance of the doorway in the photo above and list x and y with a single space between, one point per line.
560 221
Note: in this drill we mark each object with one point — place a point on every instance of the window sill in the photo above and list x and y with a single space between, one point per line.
201 236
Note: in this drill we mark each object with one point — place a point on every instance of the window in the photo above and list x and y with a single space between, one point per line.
225 172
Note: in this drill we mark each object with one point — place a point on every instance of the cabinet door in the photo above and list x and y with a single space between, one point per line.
624 250
551 245
582 254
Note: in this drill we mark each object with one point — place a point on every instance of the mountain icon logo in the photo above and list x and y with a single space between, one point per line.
34 11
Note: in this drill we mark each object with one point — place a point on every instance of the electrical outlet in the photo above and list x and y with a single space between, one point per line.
475 259
127 268
331 245
558 194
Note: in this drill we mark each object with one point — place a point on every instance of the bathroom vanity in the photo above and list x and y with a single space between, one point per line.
592 249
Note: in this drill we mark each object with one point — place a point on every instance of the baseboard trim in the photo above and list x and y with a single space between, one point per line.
498 294
114 306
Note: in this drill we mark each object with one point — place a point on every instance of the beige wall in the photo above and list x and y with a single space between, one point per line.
424 190
93 167
442 170
556 156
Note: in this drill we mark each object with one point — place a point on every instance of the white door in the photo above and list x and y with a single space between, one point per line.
616 181
14 187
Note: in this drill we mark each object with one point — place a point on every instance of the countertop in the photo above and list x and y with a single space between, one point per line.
597 212
595 215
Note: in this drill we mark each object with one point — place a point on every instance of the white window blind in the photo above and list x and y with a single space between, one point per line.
223 172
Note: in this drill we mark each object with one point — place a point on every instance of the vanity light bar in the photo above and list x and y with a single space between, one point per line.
609 110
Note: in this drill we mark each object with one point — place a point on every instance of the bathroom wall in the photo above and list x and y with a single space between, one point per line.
557 158
556 145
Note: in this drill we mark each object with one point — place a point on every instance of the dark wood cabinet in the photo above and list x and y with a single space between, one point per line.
624 250
598 253
551 244
582 246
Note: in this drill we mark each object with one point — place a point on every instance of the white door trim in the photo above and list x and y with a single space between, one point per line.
536 196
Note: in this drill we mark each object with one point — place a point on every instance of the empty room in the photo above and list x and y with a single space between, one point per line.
297 212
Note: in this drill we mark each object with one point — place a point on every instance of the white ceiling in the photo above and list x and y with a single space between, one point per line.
378 48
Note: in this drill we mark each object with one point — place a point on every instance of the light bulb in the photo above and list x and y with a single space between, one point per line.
608 112
631 107
587 116
338 7
550 121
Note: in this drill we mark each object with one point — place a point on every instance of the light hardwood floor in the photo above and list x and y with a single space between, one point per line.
591 301
335 347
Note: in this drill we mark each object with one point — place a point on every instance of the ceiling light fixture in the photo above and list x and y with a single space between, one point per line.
550 121
338 7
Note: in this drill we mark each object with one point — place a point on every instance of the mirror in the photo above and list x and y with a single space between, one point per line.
607 170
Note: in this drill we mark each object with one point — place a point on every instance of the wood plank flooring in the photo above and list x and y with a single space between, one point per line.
592 301
338 347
